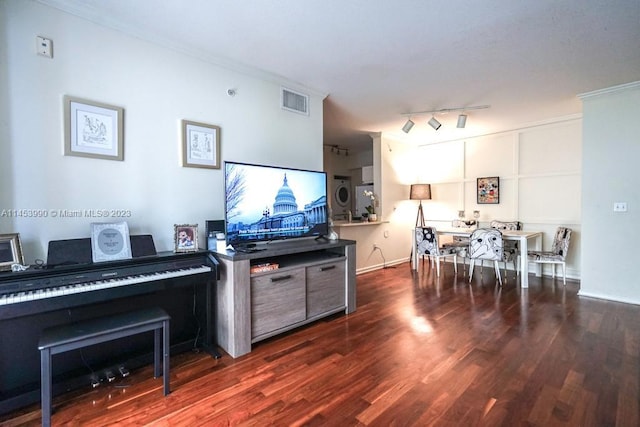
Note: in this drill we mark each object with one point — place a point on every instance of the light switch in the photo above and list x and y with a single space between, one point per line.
44 47
620 207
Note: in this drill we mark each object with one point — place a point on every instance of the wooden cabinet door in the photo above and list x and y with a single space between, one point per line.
325 288
277 300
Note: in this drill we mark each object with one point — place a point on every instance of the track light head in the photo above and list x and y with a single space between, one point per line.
462 121
434 123
407 126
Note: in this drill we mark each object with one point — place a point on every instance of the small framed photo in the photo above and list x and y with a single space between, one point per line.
186 237
110 241
10 251
93 129
200 145
489 190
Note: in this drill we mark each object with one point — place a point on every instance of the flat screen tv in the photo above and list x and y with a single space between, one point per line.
265 203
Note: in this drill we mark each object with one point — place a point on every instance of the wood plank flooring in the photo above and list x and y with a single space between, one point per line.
419 351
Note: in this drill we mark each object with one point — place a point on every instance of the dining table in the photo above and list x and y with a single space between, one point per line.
522 236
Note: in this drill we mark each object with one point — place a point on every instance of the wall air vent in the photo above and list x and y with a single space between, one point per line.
294 101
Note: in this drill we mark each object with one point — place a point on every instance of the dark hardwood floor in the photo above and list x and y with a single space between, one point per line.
418 351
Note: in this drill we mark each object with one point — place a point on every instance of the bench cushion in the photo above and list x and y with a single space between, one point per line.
84 330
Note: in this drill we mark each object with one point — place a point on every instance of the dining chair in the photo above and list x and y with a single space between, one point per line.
486 243
427 244
461 244
557 254
510 247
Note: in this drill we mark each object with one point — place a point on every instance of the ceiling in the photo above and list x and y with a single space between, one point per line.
377 60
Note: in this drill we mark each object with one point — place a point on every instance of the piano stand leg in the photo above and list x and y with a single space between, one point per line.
213 351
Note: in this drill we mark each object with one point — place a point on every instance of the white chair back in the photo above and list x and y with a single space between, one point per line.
427 241
561 242
486 243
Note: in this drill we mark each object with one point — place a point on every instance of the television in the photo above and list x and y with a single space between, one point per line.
265 203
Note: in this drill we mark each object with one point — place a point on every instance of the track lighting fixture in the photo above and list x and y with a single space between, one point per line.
434 123
407 126
338 150
462 121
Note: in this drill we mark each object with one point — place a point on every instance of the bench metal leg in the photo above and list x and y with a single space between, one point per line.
156 353
165 355
45 386
165 362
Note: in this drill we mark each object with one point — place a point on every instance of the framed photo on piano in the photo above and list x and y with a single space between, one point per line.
186 237
10 251
110 241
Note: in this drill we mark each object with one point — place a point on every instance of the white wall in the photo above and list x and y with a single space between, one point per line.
610 156
540 175
538 168
157 87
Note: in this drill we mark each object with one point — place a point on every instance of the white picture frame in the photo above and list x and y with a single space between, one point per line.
110 241
93 129
10 251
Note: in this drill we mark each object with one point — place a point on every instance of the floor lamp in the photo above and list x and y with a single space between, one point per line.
420 192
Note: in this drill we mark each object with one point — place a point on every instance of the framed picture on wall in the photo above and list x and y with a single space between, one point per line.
10 251
489 190
93 129
200 145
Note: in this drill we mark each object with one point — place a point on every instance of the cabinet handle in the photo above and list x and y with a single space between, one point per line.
331 267
278 279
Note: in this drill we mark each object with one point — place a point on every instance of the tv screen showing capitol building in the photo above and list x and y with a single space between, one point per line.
268 203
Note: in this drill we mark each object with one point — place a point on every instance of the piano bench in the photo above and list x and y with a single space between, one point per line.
60 339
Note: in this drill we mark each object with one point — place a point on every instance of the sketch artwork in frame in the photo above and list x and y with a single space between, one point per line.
489 190
10 251
185 237
200 145
93 129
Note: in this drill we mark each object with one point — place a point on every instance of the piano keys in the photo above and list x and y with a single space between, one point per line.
30 294
25 289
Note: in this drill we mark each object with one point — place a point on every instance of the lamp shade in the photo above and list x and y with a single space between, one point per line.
420 192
